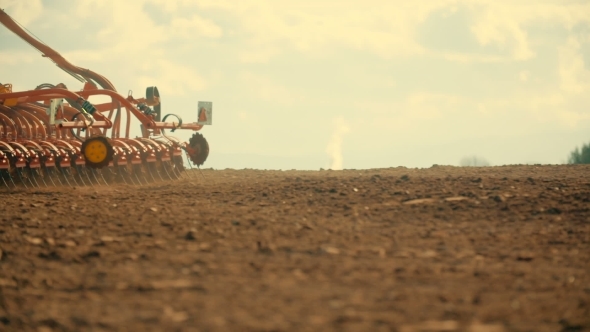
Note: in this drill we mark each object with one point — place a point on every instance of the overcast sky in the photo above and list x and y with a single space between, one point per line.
334 83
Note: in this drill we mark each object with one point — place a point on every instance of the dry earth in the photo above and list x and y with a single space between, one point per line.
438 249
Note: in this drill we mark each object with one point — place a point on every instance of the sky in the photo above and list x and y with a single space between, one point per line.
350 84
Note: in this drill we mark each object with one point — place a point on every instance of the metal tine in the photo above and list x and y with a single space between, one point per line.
4 181
132 175
128 176
201 172
163 173
58 175
29 177
107 180
183 174
39 175
6 174
154 168
78 177
74 176
2 175
182 169
135 170
166 170
93 172
102 176
142 169
12 180
191 173
79 173
176 171
102 172
63 172
20 176
55 172
33 178
149 178
121 174
49 173
85 171
149 169
187 171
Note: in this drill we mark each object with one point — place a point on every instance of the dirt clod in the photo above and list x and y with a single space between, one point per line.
481 249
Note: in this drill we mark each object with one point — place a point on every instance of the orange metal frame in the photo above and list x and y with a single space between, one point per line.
105 122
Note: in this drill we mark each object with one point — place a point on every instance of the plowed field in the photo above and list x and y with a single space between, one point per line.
438 249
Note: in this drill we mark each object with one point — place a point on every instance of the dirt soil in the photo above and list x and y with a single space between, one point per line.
437 249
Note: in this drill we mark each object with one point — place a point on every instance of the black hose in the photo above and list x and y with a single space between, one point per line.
179 121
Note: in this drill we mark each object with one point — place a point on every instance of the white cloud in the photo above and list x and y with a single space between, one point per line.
415 114
469 58
387 28
172 79
430 105
572 119
127 38
83 56
18 57
195 26
265 89
575 78
482 109
24 12
261 55
123 33
503 22
493 27
377 40
172 6
382 28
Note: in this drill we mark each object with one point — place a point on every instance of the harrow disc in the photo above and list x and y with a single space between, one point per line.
198 149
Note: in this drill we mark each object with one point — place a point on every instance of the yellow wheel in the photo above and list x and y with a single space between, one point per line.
97 151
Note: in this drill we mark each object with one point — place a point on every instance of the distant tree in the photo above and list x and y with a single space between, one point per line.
474 161
580 156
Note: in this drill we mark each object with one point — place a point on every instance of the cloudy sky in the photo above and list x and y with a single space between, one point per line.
312 84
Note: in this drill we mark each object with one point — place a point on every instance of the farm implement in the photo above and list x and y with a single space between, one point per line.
51 135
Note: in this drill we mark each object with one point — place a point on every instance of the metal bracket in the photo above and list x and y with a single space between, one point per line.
52 109
205 113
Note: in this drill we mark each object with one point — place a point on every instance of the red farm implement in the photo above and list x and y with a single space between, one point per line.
51 135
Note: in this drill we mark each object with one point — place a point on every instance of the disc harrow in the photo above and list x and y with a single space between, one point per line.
53 136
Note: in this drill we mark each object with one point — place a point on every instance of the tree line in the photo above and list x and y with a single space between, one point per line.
577 156
580 156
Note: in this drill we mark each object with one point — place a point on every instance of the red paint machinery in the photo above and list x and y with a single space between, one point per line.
52 135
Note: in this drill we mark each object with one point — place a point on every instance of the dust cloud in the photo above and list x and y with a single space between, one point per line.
334 148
